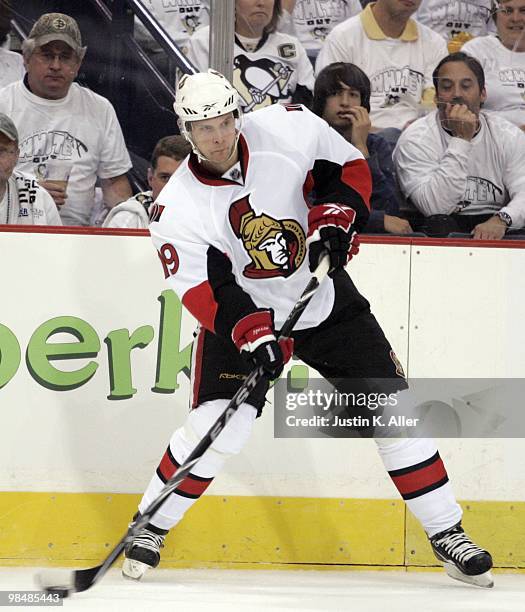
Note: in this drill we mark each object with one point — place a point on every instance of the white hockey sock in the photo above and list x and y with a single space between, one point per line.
418 473
230 442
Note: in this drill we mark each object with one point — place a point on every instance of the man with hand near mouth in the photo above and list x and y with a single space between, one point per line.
342 99
462 162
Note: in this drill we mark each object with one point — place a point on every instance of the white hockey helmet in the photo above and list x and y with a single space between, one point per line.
204 95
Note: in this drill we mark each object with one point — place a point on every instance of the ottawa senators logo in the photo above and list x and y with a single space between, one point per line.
276 247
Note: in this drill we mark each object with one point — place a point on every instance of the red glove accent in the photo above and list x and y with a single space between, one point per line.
323 215
331 231
253 330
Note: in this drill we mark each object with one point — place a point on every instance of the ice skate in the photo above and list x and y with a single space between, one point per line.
461 558
143 552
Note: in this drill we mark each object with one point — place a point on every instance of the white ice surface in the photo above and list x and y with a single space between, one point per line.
258 590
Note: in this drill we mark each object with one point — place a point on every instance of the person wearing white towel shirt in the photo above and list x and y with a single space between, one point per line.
462 162
458 21
180 19
22 200
312 20
503 60
395 52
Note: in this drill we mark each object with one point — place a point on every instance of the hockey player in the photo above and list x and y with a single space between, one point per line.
238 256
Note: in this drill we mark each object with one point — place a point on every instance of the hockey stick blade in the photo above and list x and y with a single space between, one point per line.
81 580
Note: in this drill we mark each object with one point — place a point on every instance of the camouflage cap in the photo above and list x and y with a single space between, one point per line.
57 26
8 128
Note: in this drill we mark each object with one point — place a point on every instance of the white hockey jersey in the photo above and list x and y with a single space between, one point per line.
444 175
265 76
312 20
504 77
399 69
232 244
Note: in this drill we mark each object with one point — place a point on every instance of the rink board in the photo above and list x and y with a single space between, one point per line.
289 502
75 529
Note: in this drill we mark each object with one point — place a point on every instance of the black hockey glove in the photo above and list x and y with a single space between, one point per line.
254 336
331 230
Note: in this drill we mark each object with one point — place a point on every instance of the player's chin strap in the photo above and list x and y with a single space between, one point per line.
81 580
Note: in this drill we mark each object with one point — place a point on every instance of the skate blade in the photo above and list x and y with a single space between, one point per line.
484 580
134 570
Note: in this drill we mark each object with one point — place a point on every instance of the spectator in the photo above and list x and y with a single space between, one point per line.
503 60
11 64
22 200
395 52
458 22
268 66
59 119
462 162
167 157
179 18
342 98
312 20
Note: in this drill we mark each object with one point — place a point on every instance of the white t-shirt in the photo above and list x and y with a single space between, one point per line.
11 67
504 77
180 19
442 174
26 203
131 214
312 20
262 77
399 69
82 128
457 20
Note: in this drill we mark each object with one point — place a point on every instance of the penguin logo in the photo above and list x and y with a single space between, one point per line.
261 82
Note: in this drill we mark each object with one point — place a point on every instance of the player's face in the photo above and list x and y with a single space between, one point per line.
215 138
51 69
159 176
457 84
252 16
400 8
8 157
337 105
510 21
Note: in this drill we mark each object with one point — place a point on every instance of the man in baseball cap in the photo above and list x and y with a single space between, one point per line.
57 26
52 54
60 122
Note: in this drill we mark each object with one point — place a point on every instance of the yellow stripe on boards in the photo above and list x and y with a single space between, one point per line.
78 529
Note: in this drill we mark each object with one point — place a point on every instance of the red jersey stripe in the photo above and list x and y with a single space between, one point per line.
356 175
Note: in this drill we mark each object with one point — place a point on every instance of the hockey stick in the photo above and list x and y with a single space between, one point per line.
81 580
